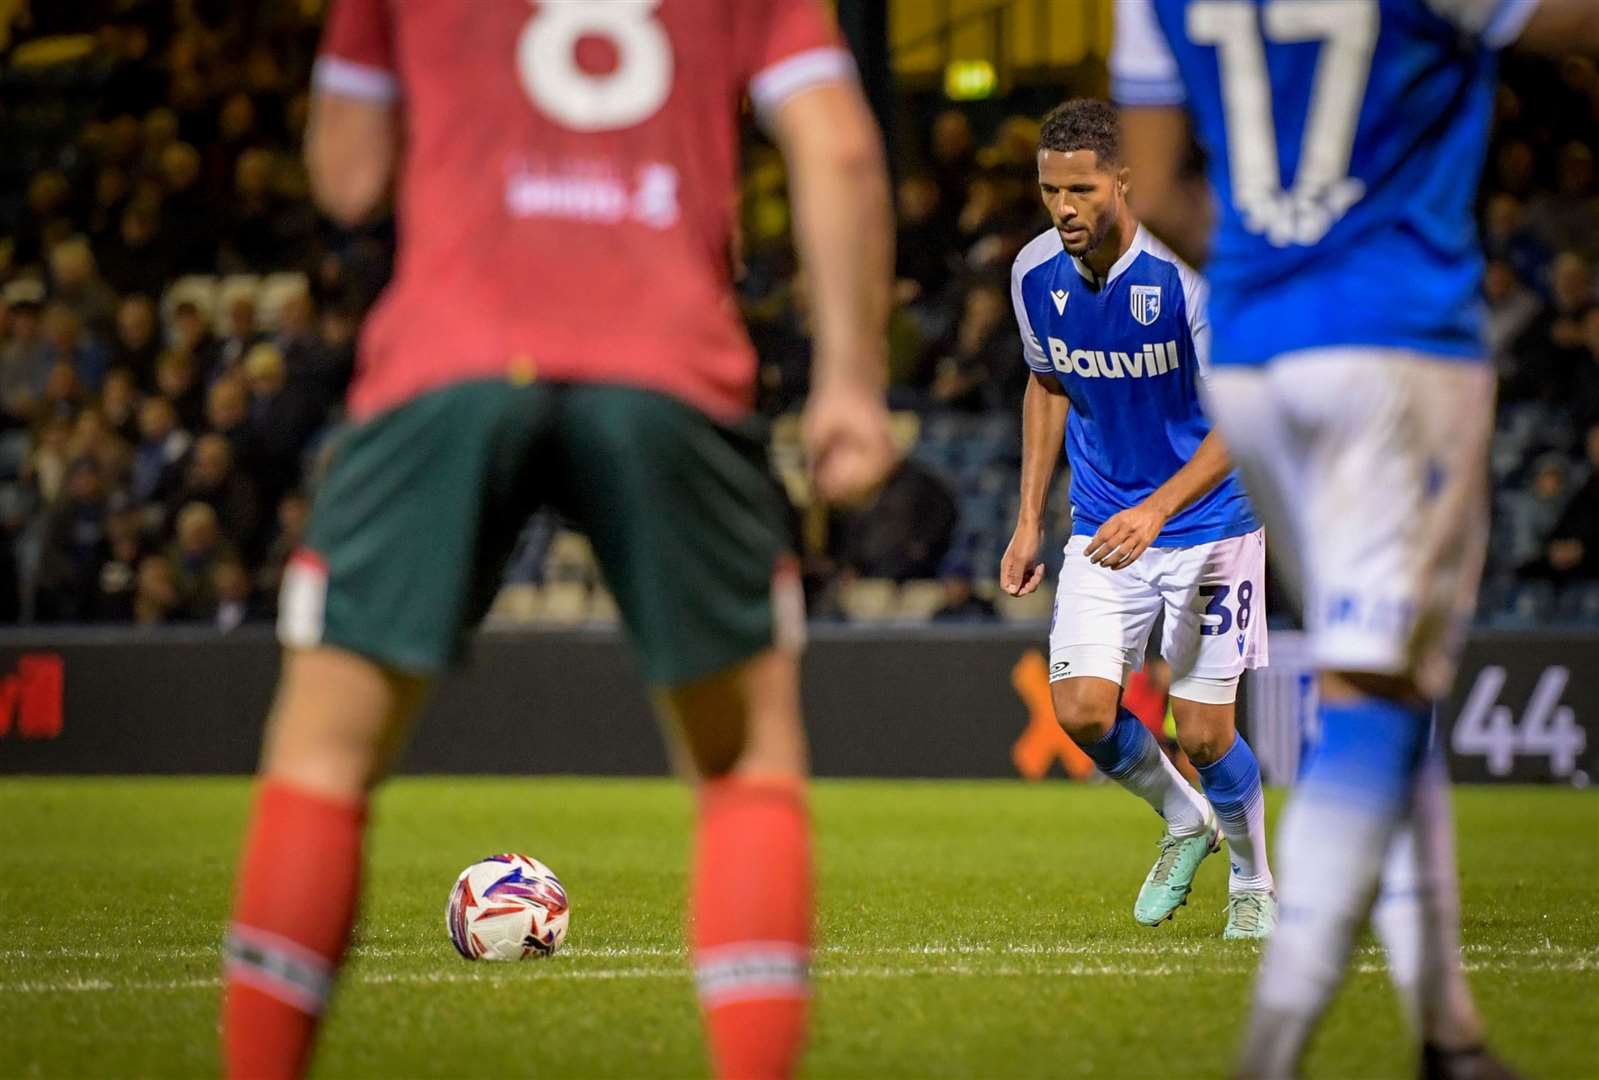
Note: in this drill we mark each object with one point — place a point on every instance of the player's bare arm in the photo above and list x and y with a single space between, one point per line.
1560 27
1174 206
1044 409
350 149
845 236
1123 538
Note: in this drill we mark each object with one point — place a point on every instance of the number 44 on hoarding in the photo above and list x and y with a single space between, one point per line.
1547 729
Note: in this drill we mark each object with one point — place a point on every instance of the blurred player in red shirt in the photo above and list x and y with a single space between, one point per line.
561 331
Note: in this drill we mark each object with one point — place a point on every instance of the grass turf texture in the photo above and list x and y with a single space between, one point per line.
967 929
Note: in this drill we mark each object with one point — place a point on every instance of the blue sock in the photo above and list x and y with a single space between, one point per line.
1130 756
1369 751
1232 784
1123 747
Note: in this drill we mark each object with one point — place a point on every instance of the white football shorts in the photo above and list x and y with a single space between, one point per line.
1213 596
1369 468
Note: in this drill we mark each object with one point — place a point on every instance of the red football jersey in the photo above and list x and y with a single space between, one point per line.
567 184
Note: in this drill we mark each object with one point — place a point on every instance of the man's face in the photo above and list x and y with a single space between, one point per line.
1083 197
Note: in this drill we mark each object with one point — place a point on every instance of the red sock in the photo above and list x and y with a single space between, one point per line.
752 925
298 886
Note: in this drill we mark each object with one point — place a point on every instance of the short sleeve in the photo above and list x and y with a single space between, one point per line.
787 46
1143 70
357 55
1495 23
1032 348
1196 302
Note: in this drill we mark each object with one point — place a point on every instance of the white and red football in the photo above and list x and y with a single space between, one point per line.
507 907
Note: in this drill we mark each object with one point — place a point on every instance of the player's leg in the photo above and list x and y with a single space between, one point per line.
1391 452
1214 629
690 533
328 741
377 602
1102 620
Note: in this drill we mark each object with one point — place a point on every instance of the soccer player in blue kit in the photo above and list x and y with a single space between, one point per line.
1115 333
1344 140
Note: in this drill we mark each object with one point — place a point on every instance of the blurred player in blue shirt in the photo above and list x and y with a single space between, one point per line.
1344 141
1115 333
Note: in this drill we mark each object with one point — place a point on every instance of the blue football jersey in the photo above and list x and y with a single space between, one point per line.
1345 139
1129 352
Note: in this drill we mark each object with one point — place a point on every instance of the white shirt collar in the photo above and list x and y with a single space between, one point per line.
1136 248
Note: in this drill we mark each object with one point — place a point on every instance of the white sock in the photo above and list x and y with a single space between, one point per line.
1130 756
1329 857
1417 916
1246 849
1232 784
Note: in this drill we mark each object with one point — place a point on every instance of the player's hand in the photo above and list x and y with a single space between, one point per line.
1020 572
1120 541
845 426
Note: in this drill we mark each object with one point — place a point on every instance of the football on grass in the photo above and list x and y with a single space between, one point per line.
507 907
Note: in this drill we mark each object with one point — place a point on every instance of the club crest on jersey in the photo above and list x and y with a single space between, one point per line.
1146 303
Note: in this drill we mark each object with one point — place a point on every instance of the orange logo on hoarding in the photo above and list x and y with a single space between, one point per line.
30 699
1043 741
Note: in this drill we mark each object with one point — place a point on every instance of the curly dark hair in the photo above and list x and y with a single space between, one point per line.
1083 124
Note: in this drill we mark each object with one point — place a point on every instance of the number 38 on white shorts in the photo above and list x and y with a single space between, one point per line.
1213 596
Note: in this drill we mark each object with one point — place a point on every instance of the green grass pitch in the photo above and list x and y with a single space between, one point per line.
966 929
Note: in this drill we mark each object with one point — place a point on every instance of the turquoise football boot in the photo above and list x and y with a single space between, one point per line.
1251 915
1170 879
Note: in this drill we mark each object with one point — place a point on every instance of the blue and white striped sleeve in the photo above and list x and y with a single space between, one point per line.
1143 70
1196 301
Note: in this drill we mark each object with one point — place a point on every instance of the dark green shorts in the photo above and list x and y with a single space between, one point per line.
421 506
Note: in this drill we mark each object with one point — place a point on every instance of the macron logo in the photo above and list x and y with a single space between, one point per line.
1059 296
1154 359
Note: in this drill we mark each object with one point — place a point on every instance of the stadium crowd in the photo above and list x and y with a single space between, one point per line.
177 326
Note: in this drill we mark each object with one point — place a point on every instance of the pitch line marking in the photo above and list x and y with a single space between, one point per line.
555 970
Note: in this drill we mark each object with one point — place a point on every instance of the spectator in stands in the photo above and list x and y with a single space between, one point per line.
961 602
262 233
1506 237
139 257
242 335
119 404
284 415
227 413
112 188
137 345
195 553
922 250
1552 348
74 547
25 358
236 600
905 532
119 574
162 452
49 193
191 333
69 345
76 284
156 598
188 217
1536 510
1569 217
975 366
953 150
177 380
293 510
63 392
296 334
213 480
1511 307
1571 552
